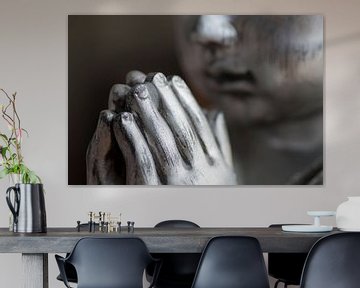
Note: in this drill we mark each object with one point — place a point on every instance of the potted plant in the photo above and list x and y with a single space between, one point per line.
25 197
11 159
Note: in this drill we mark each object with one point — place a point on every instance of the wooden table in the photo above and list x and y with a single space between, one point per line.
35 247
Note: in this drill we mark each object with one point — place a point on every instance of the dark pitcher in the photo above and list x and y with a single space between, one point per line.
28 207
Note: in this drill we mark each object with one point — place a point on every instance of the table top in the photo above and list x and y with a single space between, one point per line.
158 240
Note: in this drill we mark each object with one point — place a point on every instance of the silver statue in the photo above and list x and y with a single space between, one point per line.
265 73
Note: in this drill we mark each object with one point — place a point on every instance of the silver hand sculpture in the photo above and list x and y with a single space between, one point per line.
156 133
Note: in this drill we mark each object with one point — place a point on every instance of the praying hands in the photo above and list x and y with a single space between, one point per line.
155 133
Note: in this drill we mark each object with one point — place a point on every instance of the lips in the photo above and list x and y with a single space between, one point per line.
234 83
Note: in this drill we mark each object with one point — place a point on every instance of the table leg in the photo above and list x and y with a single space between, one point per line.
35 270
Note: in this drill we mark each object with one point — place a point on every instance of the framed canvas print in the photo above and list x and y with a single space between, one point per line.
195 100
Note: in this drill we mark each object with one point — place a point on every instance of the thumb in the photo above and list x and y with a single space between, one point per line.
218 126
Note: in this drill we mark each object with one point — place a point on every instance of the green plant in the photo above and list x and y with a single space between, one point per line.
11 159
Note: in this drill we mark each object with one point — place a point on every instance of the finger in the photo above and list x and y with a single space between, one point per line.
135 77
117 97
104 161
196 116
130 101
140 166
157 132
218 124
185 136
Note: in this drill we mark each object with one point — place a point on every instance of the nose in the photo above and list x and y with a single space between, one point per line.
215 31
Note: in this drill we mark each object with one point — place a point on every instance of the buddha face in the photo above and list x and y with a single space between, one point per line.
257 69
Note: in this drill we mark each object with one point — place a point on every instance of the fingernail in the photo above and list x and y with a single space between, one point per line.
126 116
160 80
141 92
106 115
179 82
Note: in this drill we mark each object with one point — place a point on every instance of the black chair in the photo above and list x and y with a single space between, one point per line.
176 224
286 267
70 273
232 262
333 262
178 269
108 263
69 269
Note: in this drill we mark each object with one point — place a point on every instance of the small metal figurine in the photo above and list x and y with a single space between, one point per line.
78 226
90 221
130 226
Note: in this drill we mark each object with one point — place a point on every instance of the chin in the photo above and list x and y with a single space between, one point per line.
245 113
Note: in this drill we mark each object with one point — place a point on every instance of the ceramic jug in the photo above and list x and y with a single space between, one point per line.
28 207
348 214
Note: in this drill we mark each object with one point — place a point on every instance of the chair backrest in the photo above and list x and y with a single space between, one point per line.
232 262
177 270
110 262
333 262
176 224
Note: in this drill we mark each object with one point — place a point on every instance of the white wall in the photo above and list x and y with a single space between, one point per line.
33 62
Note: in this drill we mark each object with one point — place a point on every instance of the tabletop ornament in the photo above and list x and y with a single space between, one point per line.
104 222
348 214
25 197
315 227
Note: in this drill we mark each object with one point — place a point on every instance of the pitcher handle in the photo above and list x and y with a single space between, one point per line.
13 208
